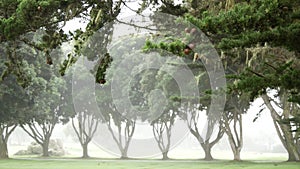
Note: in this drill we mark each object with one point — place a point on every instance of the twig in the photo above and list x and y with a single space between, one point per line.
143 27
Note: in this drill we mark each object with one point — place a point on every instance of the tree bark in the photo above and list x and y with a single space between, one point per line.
235 136
207 150
85 130
123 143
41 133
292 155
158 129
208 143
85 151
291 147
45 147
124 154
5 132
165 155
3 148
237 155
283 130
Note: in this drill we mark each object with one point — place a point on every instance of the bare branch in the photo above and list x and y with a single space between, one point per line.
138 26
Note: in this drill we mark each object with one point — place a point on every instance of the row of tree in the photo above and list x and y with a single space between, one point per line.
257 41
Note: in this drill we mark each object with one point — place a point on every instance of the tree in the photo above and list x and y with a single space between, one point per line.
115 119
125 126
237 102
208 140
248 26
162 130
145 76
85 118
160 87
14 101
18 19
270 22
47 113
232 121
120 119
163 124
19 80
87 127
281 109
186 47
46 88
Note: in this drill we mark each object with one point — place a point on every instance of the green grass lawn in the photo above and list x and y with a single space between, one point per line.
40 163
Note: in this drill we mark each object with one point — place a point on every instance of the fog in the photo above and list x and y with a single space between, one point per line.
260 137
260 140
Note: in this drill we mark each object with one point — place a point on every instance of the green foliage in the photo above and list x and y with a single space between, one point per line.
103 66
20 17
26 77
282 76
279 36
285 75
173 46
251 24
67 63
14 102
247 24
17 18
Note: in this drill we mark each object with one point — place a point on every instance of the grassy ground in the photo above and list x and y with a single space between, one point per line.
40 163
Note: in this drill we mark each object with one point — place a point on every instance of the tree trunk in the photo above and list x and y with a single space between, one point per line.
45 147
85 151
237 155
292 156
283 130
235 141
124 154
165 155
291 147
235 134
3 148
159 129
5 132
207 150
127 136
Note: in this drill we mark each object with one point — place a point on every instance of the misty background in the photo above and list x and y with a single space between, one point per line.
260 140
260 137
